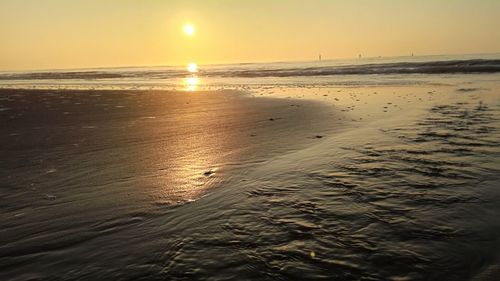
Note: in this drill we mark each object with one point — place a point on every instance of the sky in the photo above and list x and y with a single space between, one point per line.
58 34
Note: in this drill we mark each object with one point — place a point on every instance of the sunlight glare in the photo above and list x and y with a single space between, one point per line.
192 67
191 83
189 29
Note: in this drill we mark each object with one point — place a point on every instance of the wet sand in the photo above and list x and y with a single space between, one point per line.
374 183
78 165
176 142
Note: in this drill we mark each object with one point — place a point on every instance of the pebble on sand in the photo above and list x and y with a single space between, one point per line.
208 173
50 197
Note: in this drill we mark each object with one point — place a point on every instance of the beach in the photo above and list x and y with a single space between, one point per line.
367 178
195 140
79 163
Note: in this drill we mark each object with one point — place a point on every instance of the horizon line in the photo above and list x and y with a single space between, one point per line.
248 62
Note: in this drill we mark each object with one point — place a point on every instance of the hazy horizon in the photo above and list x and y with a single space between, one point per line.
58 34
340 59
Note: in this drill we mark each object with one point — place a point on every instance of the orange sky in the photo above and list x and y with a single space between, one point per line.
54 34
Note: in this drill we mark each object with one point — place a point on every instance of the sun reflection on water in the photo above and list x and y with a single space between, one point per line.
192 67
191 83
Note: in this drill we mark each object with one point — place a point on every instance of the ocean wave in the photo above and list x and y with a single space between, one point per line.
275 70
436 67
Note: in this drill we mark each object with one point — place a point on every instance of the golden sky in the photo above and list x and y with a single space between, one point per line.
53 34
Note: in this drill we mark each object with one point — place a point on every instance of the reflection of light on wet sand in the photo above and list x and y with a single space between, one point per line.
187 167
187 180
191 83
197 173
180 159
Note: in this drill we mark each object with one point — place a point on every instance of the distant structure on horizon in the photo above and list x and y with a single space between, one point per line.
319 57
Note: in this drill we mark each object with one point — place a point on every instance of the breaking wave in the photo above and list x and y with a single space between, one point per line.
469 66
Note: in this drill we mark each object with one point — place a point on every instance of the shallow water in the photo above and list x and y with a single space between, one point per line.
325 73
409 201
406 189
80 166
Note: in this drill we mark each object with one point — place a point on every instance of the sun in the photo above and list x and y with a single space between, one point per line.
189 29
